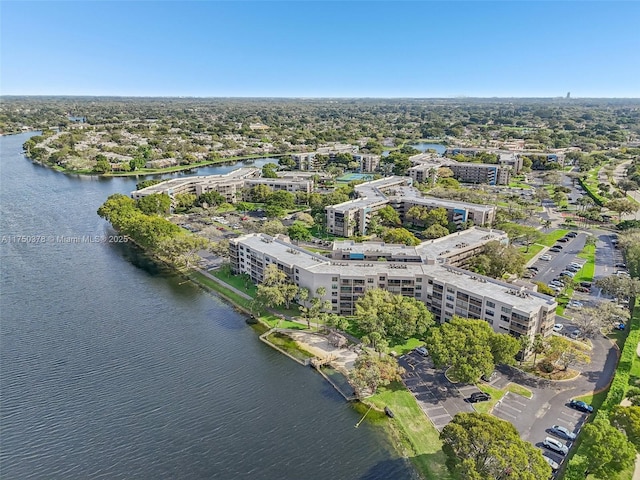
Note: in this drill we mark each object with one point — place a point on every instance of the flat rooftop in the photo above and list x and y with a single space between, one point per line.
281 250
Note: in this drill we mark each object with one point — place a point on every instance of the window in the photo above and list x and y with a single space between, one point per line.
369 280
418 280
491 304
381 279
490 313
505 309
449 305
450 298
334 279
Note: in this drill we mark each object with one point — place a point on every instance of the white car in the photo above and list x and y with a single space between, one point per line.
558 327
556 445
555 289
552 463
546 257
575 334
574 304
576 264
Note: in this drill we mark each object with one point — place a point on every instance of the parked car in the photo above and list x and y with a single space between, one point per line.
582 289
546 257
562 432
479 397
558 327
567 273
555 288
619 326
620 265
581 406
491 377
573 268
555 249
575 334
552 463
564 240
535 269
575 304
572 234
586 284
556 445
422 351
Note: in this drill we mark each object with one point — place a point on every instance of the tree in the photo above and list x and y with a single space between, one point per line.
497 259
269 170
184 201
607 449
102 164
274 211
627 419
565 353
436 231
480 446
392 316
370 372
416 214
182 250
154 204
470 347
619 286
538 347
260 193
282 199
627 185
400 236
210 199
298 231
305 218
388 216
275 288
436 216
622 206
273 227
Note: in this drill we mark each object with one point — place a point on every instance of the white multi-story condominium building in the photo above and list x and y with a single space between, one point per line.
230 185
353 217
426 170
309 161
422 272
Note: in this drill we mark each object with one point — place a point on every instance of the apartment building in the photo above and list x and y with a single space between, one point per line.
309 161
231 185
422 272
353 217
426 170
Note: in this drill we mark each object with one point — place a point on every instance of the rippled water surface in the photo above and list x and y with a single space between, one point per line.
113 368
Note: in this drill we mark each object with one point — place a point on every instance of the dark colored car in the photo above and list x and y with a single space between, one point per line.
572 234
583 289
580 405
586 284
491 377
620 265
564 240
555 249
479 397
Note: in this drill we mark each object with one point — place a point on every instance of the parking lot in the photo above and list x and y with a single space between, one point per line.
436 395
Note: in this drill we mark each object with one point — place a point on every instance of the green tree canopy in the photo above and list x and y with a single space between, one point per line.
497 259
627 419
479 446
470 347
299 231
388 216
154 204
400 235
371 371
608 451
392 316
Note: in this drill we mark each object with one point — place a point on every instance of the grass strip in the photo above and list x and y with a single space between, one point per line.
414 435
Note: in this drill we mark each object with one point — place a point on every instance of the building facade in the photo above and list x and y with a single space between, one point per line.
426 272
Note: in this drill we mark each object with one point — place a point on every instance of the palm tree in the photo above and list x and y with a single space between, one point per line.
546 224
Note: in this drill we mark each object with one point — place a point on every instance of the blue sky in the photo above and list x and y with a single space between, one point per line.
321 49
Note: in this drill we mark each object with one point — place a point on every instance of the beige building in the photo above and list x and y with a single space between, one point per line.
353 217
231 185
425 272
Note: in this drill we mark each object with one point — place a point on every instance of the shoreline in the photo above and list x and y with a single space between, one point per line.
152 171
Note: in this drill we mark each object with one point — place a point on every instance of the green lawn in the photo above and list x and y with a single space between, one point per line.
496 395
407 346
586 272
533 251
549 239
241 282
413 434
